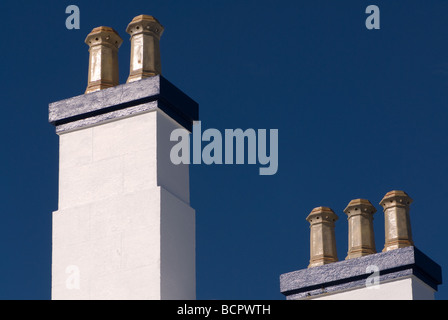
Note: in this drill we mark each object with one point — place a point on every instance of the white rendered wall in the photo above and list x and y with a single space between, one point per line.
409 288
124 221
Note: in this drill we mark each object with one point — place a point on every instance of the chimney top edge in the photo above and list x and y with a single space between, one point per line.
396 194
360 203
318 211
105 34
148 21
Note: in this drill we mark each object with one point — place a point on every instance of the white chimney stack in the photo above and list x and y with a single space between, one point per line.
400 272
124 228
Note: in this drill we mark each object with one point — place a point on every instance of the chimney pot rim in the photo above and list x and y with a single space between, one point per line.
363 204
395 195
322 211
143 18
102 30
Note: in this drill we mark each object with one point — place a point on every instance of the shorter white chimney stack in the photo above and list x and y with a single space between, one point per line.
400 272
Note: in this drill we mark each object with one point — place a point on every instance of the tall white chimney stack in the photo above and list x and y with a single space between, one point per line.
124 228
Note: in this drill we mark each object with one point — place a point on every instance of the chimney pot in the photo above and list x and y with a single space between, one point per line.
361 239
398 234
103 45
322 236
145 34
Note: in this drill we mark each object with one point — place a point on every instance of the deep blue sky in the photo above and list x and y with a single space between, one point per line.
359 113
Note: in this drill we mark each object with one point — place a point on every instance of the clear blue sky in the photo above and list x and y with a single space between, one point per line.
359 113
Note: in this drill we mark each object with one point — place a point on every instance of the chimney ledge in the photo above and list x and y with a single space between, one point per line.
351 274
84 108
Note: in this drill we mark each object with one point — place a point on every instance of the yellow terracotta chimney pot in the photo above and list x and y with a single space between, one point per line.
398 234
103 45
145 34
322 236
361 239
